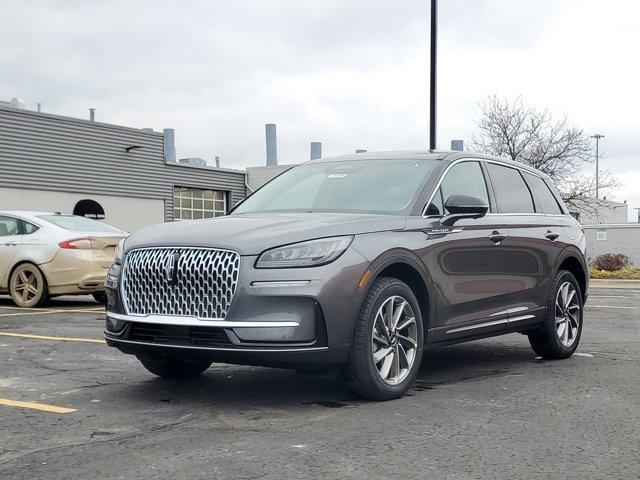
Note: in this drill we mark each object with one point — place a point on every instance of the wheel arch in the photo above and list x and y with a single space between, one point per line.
572 263
405 266
22 262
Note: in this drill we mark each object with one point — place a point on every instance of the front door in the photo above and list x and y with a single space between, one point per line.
468 263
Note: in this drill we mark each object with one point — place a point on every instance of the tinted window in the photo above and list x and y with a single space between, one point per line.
28 228
435 207
8 226
377 186
464 178
512 193
545 198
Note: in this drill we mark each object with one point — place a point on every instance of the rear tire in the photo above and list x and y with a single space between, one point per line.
387 344
28 286
175 368
560 333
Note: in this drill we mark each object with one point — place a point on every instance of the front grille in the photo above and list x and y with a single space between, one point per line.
179 335
180 281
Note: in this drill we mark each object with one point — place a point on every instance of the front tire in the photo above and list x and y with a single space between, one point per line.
388 340
560 333
175 368
28 286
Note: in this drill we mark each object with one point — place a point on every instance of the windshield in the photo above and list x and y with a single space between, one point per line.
79 224
364 186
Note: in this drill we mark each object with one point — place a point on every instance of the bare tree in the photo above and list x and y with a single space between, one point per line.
555 147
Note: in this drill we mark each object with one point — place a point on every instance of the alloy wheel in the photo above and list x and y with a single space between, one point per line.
394 340
567 313
26 285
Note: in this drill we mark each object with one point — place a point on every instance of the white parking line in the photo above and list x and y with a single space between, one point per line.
610 306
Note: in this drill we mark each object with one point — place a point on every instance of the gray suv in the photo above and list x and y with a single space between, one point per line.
355 264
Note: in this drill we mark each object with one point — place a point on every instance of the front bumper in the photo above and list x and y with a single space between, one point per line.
303 315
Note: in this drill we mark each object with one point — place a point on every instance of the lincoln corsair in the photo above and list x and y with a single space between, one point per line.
355 264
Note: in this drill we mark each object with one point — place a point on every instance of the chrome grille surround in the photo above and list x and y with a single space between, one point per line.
202 286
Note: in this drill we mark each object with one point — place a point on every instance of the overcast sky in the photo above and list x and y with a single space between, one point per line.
349 73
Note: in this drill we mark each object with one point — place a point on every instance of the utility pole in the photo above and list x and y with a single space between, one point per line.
597 136
433 78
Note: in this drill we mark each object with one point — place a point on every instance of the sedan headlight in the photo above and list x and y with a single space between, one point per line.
119 253
305 254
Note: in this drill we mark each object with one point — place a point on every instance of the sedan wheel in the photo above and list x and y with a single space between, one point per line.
28 286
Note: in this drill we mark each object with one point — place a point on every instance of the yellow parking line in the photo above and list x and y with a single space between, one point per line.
45 312
36 406
46 337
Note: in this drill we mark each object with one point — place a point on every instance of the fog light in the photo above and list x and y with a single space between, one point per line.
114 326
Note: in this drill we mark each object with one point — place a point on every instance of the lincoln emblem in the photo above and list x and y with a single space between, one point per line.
171 268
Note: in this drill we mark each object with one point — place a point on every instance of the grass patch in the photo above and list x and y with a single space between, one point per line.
626 273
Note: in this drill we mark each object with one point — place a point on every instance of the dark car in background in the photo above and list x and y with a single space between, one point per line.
356 263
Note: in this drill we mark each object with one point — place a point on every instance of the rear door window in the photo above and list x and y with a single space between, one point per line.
546 199
8 226
512 193
464 178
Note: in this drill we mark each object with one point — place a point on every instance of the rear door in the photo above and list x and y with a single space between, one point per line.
468 264
533 244
10 241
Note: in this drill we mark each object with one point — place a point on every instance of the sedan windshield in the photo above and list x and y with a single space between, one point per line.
363 186
76 223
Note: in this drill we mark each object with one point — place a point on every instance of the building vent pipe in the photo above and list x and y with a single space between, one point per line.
316 150
272 144
92 114
217 162
169 146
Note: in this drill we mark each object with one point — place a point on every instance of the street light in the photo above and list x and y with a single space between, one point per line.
433 77
597 136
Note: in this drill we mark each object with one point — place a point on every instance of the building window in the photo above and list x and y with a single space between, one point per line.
197 203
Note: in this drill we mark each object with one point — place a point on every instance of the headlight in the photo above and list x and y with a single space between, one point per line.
305 254
119 252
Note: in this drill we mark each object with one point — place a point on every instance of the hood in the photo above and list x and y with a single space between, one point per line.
251 234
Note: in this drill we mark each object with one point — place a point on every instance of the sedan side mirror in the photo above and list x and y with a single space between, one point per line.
464 206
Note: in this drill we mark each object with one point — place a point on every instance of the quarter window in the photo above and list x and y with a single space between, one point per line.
464 178
541 190
512 193
28 228
8 226
197 203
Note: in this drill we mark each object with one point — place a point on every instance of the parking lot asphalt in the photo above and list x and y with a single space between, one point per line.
70 407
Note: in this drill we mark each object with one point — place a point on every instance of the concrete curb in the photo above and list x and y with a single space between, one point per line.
612 283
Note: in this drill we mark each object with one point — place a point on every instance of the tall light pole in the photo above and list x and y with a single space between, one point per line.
433 78
597 136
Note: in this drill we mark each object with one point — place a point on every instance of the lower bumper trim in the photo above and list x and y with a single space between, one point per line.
116 341
198 322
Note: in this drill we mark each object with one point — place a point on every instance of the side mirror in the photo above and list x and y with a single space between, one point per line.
464 206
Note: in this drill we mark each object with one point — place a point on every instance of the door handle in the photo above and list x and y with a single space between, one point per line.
497 237
551 235
11 244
